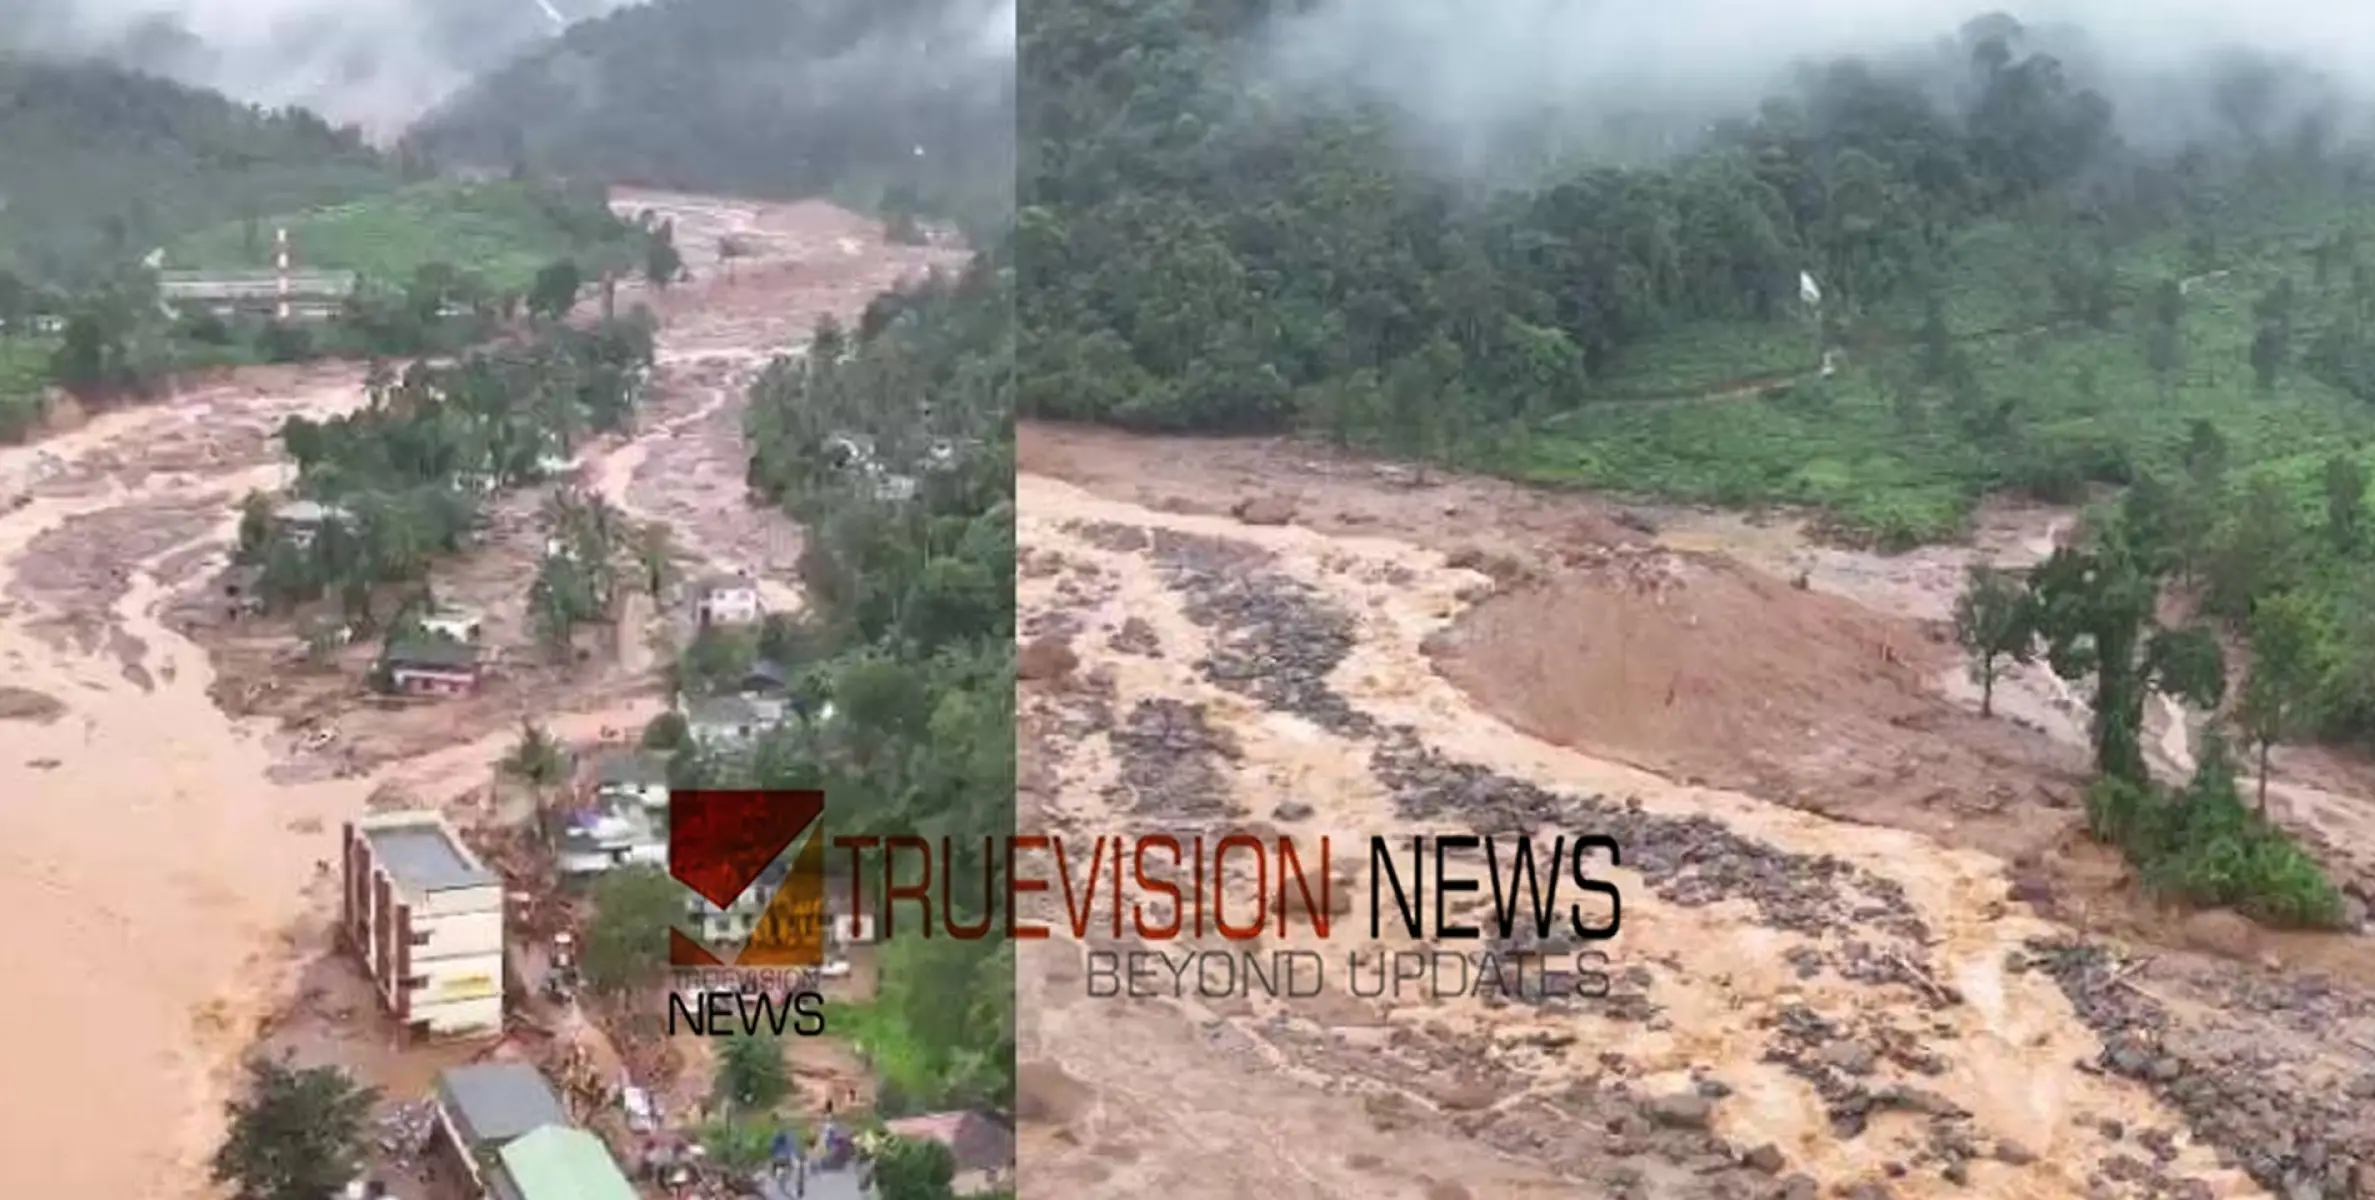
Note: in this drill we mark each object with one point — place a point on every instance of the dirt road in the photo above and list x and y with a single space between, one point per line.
1848 961
154 868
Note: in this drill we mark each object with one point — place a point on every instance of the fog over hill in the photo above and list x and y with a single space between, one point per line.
1468 78
377 63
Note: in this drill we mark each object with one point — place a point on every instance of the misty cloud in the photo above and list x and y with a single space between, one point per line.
1469 77
374 62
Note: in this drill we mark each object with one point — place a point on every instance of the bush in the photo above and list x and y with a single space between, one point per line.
2202 845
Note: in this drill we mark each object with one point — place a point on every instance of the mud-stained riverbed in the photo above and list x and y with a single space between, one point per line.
153 870
1804 1005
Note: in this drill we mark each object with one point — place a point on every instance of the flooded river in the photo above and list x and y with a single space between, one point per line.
154 871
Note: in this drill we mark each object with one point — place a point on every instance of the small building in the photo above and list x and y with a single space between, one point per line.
727 600
724 722
610 830
635 775
766 677
452 622
432 667
300 520
982 1145
425 917
485 1107
557 1162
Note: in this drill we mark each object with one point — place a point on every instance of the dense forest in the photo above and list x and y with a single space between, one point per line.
105 163
899 106
2018 288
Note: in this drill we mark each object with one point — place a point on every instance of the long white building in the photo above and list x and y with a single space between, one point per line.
426 919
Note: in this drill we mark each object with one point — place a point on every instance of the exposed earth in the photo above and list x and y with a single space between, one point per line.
1867 950
163 858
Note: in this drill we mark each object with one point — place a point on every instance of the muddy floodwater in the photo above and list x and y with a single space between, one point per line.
1867 950
155 872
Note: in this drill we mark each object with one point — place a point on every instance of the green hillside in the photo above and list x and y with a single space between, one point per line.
2015 298
893 103
96 161
503 231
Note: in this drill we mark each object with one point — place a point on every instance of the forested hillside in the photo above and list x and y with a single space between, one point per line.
2021 290
97 161
1201 256
907 104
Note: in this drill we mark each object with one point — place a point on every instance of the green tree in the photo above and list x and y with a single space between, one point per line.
655 552
915 1169
662 264
296 1134
1993 623
555 290
2094 609
2345 480
752 1076
2256 550
626 944
537 758
2286 641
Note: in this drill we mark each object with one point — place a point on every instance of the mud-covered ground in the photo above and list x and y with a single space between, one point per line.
164 857
1814 996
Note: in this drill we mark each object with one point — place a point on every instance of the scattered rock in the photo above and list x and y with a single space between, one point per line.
1264 510
1045 658
1682 1110
25 704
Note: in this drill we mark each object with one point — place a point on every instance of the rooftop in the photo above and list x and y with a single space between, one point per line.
558 1162
979 1142
722 582
631 767
422 855
307 512
722 710
492 1103
433 652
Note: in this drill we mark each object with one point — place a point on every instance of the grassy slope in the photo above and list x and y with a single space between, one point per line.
1850 449
494 229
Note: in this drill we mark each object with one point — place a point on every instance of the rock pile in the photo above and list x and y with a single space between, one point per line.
1173 761
2302 1129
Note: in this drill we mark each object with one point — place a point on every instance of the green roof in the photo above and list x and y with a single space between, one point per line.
558 1162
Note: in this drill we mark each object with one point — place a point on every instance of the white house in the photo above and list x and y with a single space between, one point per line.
635 776
614 830
724 722
299 520
426 919
451 622
727 600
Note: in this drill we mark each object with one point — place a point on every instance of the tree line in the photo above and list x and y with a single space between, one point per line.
2094 613
406 478
1202 257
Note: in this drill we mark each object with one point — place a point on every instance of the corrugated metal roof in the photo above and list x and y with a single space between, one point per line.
561 1163
492 1103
